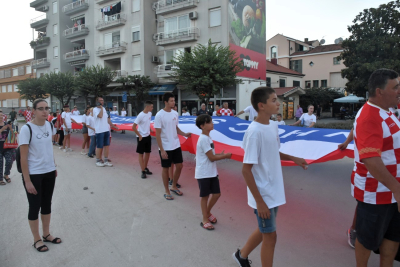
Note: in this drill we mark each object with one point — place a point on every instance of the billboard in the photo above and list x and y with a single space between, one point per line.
247 33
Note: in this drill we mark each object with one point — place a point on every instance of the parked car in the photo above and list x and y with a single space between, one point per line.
21 112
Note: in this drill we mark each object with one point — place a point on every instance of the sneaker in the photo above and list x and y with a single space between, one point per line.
100 164
242 262
70 150
83 152
107 163
351 237
90 156
65 150
60 147
147 171
143 175
170 183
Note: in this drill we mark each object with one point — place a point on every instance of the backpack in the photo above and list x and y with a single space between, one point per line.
18 152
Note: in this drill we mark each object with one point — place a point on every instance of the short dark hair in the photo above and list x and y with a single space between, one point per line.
261 95
184 109
148 103
167 96
37 101
54 114
379 79
203 119
279 114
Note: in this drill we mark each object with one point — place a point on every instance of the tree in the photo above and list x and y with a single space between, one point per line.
207 69
31 89
319 96
60 85
374 43
94 81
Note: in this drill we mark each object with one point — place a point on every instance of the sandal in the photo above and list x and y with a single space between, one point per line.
7 179
54 241
2 183
40 249
207 226
212 219
168 197
176 192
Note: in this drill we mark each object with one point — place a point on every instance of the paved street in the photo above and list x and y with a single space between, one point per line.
123 220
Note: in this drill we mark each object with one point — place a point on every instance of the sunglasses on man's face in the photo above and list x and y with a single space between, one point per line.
43 108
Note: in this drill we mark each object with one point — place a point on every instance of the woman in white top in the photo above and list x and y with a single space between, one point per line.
123 114
39 172
307 119
91 133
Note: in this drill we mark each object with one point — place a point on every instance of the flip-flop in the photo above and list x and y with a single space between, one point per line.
212 219
176 192
2 183
7 179
168 197
207 226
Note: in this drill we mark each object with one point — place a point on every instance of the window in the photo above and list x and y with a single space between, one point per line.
112 39
296 65
135 33
324 83
3 89
55 8
296 83
174 24
269 81
4 104
136 63
315 84
55 29
56 71
23 103
15 72
15 87
55 51
9 88
274 52
282 83
308 84
215 17
28 69
135 5
170 54
336 61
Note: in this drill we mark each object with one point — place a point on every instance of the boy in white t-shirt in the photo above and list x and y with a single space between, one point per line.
307 119
262 172
143 137
279 120
185 112
67 124
252 113
206 170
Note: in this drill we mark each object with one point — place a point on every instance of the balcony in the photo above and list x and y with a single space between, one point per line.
38 3
77 57
40 23
167 6
165 71
102 1
40 42
80 30
42 9
76 7
110 49
120 74
177 36
111 21
40 63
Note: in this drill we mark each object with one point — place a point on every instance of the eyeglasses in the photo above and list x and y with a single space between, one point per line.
42 108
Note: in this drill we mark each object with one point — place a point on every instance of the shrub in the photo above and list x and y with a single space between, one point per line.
344 125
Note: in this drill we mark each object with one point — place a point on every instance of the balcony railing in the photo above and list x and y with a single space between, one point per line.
40 63
38 3
80 30
39 22
119 74
114 48
102 1
82 54
40 42
76 7
164 71
177 36
111 21
167 6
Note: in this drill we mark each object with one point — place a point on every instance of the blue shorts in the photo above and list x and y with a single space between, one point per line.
267 225
102 139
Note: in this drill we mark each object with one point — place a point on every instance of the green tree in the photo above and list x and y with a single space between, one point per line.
319 96
207 69
60 85
32 89
94 81
374 43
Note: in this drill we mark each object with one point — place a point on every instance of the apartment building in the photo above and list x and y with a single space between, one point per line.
135 37
319 63
10 75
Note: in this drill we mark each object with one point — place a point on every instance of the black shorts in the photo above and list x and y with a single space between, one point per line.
376 222
209 186
144 146
174 156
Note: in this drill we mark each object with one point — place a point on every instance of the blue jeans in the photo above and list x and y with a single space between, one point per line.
92 148
267 225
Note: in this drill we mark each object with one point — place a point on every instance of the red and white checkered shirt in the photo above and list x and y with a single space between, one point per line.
28 115
225 112
376 134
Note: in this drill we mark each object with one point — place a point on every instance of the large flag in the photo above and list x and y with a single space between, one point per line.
313 144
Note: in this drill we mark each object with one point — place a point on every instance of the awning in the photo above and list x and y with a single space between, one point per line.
161 89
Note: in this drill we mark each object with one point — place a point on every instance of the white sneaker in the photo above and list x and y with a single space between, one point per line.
100 164
65 150
107 163
61 148
70 150
83 152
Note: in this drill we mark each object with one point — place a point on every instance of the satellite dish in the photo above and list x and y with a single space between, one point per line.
337 41
322 42
340 40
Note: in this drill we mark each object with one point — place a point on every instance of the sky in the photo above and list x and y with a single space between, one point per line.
310 19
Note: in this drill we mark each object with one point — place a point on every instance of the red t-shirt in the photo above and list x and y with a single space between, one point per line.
225 112
59 122
28 115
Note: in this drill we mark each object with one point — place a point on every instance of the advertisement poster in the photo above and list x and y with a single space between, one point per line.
247 35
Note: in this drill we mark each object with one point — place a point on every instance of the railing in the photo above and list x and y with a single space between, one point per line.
165 70
76 53
170 4
74 5
41 40
75 29
113 45
114 19
39 62
120 73
42 17
188 32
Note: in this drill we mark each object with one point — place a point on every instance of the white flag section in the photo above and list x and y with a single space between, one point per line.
314 145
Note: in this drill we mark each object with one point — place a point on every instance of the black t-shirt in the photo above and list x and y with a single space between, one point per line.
201 112
3 137
13 115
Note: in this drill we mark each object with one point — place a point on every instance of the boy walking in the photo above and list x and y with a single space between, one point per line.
143 137
206 170
67 124
262 172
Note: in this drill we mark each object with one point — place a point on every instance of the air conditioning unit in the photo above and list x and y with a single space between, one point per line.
155 59
44 8
193 15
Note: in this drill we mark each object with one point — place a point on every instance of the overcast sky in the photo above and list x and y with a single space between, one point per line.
311 19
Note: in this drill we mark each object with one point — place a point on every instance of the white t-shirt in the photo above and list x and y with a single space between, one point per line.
143 121
100 124
40 153
214 113
67 117
167 122
90 122
261 148
115 112
306 119
123 113
204 167
280 123
252 112
186 114
76 112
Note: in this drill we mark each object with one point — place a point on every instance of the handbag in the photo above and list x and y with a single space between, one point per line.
11 141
